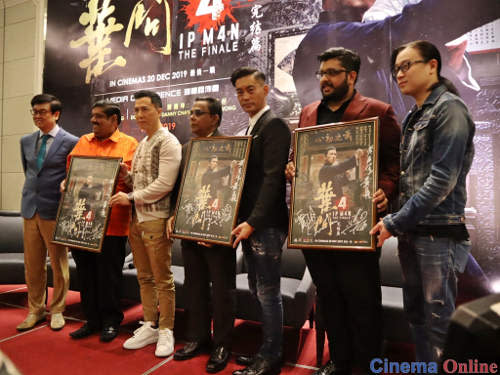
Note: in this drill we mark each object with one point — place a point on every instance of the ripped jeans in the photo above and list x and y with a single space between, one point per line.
430 287
262 252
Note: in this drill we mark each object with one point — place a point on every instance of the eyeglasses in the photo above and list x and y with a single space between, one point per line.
329 73
404 67
41 112
197 112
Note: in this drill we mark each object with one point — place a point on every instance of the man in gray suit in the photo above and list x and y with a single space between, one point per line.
43 154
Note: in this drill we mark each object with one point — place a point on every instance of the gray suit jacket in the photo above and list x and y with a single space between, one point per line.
41 188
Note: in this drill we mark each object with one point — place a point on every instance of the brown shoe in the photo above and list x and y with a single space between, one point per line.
31 321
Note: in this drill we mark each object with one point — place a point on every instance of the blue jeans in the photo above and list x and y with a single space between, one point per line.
262 252
430 287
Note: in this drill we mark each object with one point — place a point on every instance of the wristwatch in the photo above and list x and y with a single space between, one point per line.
130 196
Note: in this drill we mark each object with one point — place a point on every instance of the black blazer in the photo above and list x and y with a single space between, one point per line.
263 202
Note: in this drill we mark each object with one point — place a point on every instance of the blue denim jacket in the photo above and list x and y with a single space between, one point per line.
436 154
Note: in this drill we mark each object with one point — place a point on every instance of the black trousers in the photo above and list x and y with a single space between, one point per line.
100 279
348 287
202 266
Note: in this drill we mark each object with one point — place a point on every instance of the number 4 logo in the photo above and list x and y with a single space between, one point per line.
215 9
207 13
342 205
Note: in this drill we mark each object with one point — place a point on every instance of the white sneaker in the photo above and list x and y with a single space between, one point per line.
143 336
57 321
165 344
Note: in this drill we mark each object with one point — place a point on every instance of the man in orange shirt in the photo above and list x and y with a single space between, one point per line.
100 274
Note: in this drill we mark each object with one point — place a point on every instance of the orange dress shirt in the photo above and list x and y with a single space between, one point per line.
118 145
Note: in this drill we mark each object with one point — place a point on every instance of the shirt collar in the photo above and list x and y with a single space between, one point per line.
258 115
431 99
327 16
114 137
52 133
435 94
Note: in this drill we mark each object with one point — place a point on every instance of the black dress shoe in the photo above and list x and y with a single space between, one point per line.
109 333
218 359
330 369
260 366
245 360
82 332
191 350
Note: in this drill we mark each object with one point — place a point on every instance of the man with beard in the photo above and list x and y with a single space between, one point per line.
348 283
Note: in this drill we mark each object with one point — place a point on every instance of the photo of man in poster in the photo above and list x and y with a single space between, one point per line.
214 179
336 172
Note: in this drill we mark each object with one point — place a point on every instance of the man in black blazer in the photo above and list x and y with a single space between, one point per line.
43 154
206 264
263 215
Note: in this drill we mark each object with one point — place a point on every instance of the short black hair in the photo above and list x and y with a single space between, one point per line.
246 71
349 60
55 103
329 149
214 106
109 109
155 98
213 156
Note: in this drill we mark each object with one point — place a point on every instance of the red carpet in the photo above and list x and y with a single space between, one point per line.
42 351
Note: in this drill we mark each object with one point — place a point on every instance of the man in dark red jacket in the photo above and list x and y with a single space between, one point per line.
348 283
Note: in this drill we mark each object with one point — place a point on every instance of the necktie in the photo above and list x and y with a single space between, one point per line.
41 152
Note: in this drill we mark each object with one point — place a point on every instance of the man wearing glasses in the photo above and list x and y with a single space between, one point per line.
206 264
348 283
43 154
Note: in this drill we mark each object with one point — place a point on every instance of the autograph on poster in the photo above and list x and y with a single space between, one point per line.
336 177
211 188
83 212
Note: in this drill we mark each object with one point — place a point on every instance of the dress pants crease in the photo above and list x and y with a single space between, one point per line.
205 266
37 235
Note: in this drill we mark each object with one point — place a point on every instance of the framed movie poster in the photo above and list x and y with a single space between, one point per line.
82 217
336 177
211 188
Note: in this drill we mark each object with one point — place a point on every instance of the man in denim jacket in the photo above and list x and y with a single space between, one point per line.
436 155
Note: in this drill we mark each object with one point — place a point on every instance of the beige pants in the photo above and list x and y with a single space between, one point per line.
37 241
152 259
